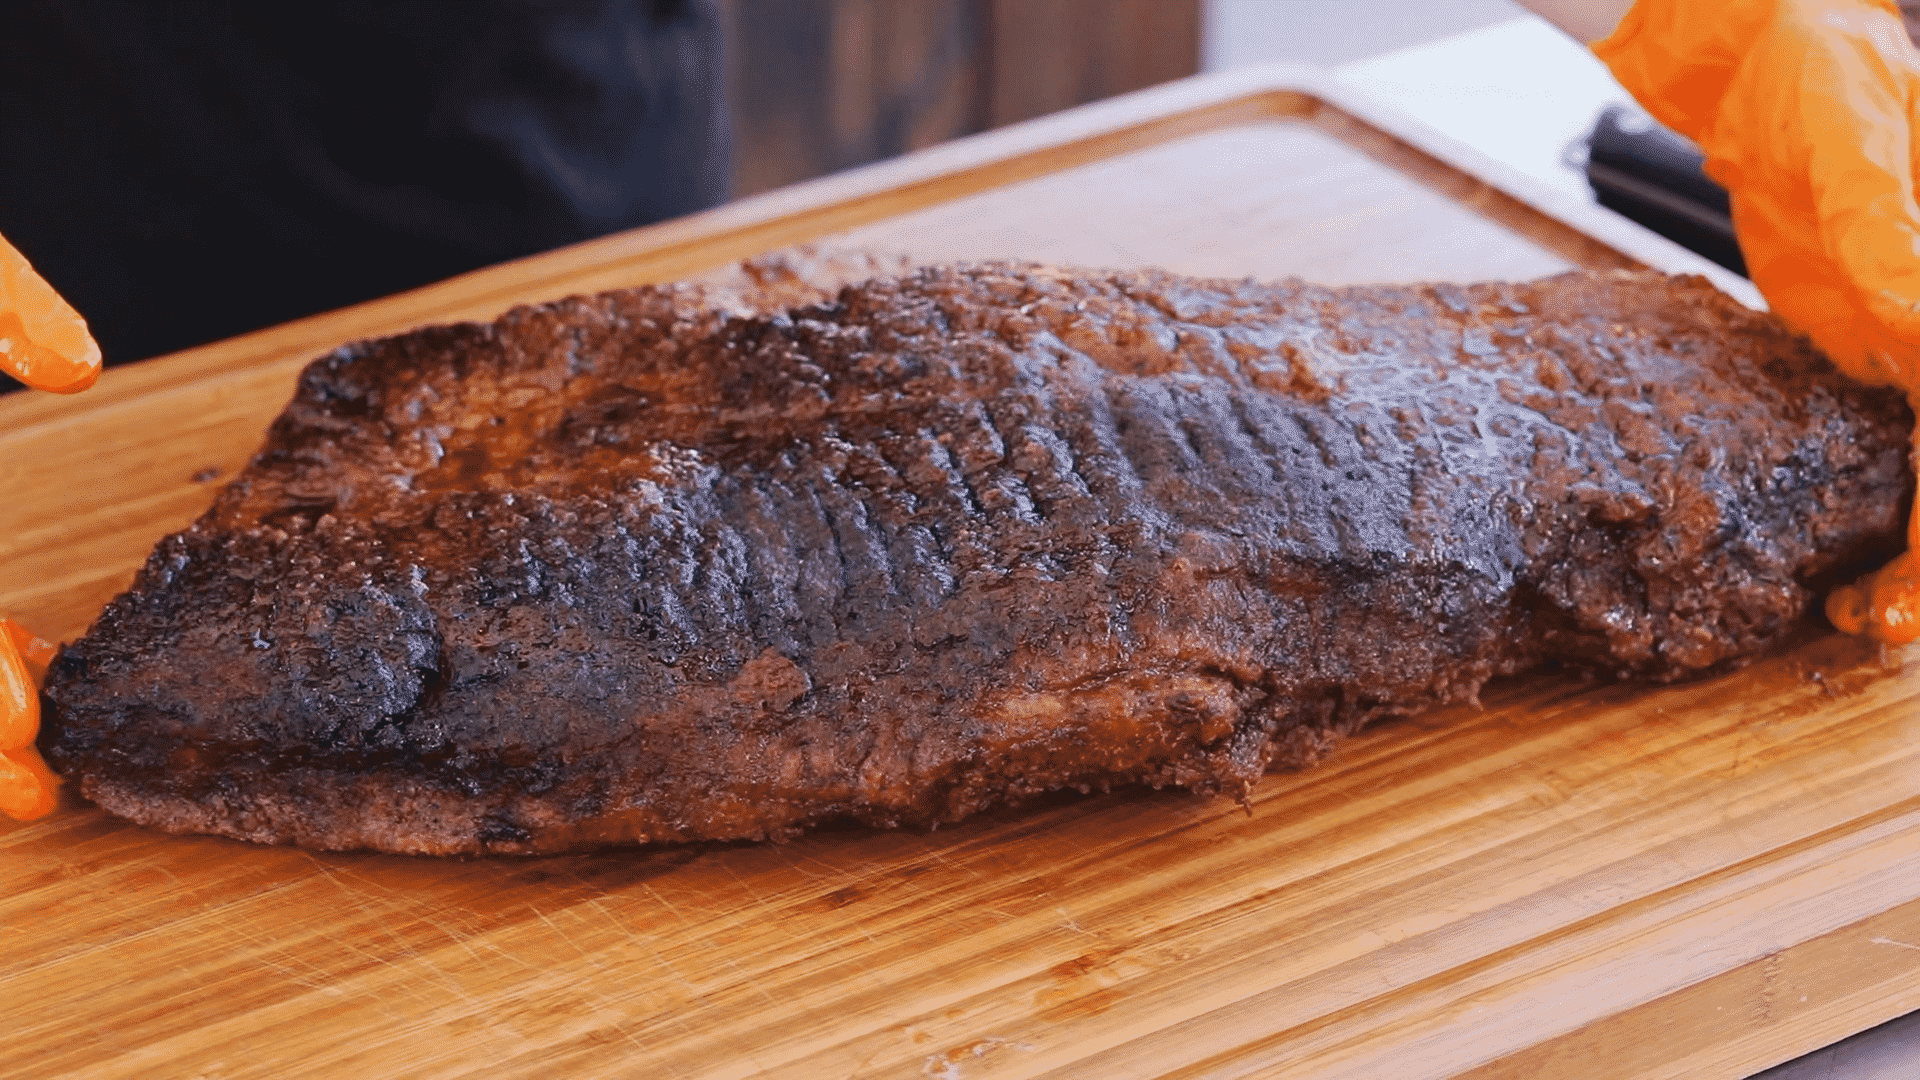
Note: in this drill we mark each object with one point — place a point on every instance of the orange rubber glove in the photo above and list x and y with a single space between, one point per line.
27 786
43 341
1806 110
45 344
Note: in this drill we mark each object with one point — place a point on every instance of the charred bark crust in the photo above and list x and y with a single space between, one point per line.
618 570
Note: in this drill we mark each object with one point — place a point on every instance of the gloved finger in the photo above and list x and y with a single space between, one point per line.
43 341
1812 139
1810 293
27 787
37 651
1853 108
19 698
1678 64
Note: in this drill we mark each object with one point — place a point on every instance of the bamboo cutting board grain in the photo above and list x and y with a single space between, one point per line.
1576 880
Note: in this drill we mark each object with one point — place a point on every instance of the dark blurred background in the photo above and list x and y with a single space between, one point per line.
190 170
187 171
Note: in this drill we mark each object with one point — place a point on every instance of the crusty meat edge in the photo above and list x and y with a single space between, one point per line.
616 570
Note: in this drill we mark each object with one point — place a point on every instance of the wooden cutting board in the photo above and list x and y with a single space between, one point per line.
1576 880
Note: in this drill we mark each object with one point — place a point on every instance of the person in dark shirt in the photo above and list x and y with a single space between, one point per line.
182 172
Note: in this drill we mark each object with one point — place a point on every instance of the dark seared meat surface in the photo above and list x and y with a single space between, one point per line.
607 571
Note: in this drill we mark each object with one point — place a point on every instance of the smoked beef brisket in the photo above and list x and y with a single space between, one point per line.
610 571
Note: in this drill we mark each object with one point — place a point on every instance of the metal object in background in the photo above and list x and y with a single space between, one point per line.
1654 176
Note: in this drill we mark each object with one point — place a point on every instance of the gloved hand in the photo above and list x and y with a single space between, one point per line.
43 341
26 784
1806 112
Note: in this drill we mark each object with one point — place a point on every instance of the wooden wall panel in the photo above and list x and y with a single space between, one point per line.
816 86
1054 54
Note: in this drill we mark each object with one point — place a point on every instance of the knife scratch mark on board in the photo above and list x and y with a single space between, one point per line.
272 955
672 908
598 905
661 958
585 954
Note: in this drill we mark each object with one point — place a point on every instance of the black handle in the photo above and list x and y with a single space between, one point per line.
1649 174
